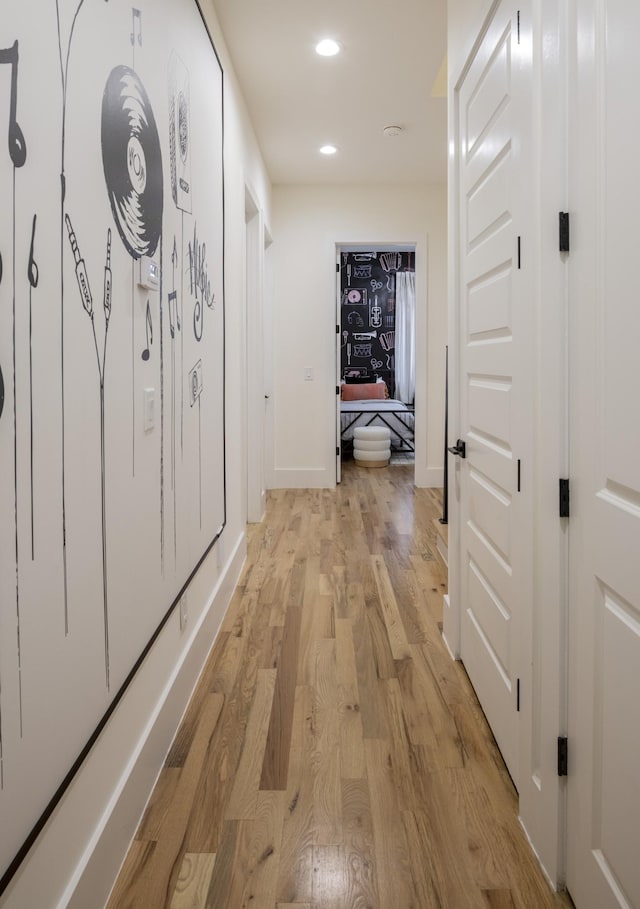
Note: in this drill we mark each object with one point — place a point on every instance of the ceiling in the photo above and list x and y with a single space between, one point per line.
389 73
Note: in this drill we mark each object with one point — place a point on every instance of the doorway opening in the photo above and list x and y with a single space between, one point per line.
375 348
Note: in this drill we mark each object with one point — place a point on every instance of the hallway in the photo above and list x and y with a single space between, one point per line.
333 756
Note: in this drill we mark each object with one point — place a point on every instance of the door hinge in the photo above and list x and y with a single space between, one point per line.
337 329
337 389
519 252
518 26
564 499
337 451
337 268
518 695
519 473
563 231
563 755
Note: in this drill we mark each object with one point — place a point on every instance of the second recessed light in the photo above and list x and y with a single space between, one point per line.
327 47
328 150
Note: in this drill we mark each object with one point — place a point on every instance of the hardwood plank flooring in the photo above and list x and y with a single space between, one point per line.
333 756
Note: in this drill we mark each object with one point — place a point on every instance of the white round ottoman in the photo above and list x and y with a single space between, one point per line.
372 446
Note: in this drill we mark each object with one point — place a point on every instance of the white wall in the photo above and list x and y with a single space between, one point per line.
308 223
78 854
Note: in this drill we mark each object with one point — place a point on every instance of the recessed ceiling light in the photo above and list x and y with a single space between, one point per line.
327 47
328 150
392 131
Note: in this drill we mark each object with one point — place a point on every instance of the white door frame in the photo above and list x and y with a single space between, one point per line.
254 337
419 250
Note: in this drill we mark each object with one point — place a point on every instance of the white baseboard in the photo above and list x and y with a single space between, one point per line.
75 861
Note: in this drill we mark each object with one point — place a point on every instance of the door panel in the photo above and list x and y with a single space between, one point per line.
604 611
495 355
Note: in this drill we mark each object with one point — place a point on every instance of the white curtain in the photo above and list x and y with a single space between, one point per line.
405 336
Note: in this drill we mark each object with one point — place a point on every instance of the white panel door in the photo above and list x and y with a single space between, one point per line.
604 611
495 366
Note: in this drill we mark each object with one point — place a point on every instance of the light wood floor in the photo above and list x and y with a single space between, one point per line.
333 756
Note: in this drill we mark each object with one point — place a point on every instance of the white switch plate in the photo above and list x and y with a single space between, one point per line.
149 409
184 615
308 374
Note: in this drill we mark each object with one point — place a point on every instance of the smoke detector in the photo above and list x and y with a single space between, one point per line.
392 130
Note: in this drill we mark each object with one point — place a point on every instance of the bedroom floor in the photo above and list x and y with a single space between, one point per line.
333 755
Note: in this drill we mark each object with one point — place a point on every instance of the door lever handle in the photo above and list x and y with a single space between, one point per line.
459 449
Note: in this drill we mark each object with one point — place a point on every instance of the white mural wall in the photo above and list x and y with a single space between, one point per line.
112 473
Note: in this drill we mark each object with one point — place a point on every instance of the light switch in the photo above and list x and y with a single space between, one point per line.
149 409
308 374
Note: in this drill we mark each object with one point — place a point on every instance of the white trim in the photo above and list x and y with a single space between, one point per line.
429 477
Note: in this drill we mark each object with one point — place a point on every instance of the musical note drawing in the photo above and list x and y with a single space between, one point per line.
18 154
136 15
17 145
376 364
376 285
101 359
32 276
149 329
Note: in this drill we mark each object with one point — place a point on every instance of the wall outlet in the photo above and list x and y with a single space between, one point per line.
184 615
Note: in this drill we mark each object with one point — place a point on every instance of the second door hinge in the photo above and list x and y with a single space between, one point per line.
564 506
563 755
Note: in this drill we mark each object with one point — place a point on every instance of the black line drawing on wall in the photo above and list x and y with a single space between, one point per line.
362 350
174 325
17 145
32 275
362 271
391 283
376 364
132 162
9 56
101 359
64 75
199 281
181 185
179 133
354 318
195 391
376 285
132 165
70 357
146 353
365 335
136 16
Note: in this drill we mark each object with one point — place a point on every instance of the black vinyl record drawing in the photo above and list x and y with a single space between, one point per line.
132 162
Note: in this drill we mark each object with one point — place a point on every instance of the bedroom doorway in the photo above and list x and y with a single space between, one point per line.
375 346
